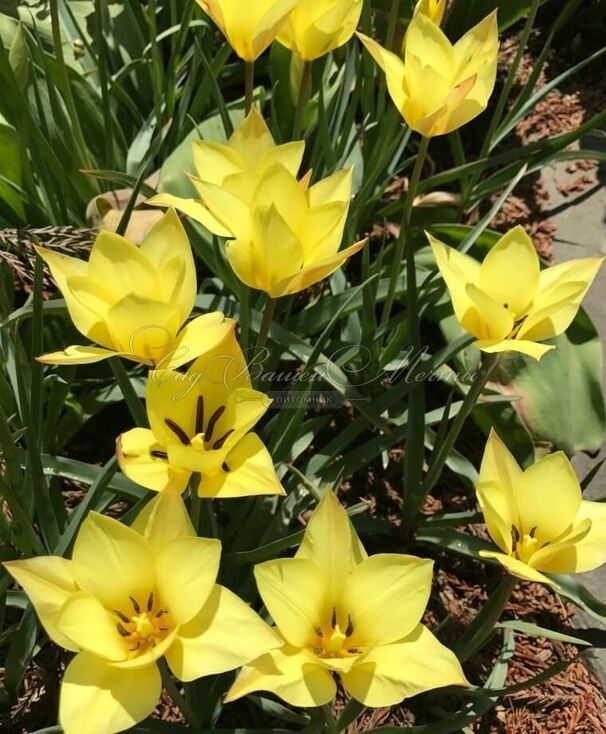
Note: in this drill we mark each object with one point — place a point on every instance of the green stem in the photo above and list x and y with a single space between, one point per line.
249 85
331 724
176 696
403 238
135 406
268 317
244 317
487 366
303 99
478 632
391 24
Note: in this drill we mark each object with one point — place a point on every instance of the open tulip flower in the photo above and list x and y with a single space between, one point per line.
342 612
249 27
288 237
507 302
316 27
200 423
438 87
134 301
433 9
128 597
538 517
235 166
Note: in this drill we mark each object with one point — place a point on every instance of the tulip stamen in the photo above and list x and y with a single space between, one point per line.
515 538
213 422
178 431
533 532
225 467
221 441
318 631
200 415
159 454
123 632
135 604
150 601
143 630
135 647
333 620
123 617
350 628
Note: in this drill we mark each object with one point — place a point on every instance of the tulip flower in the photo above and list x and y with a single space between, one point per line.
236 166
316 27
200 423
128 597
433 9
438 87
249 27
288 237
134 301
538 517
343 613
507 301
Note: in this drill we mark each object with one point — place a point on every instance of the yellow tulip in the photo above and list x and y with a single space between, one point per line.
507 301
288 238
439 87
316 27
128 597
134 301
538 517
342 612
249 27
433 9
200 423
236 166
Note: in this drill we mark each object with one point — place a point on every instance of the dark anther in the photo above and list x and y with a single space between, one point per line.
135 604
159 454
353 650
213 422
318 631
178 431
161 612
333 621
225 467
505 305
135 647
220 442
533 532
122 631
350 627
515 536
163 629
152 641
318 650
123 617
150 601
200 415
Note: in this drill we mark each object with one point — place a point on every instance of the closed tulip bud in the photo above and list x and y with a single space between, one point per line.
433 9
316 27
250 27
438 87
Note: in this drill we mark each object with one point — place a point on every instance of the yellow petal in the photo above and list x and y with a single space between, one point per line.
392 66
386 596
97 300
240 254
277 251
312 274
288 155
426 40
84 620
99 698
48 581
321 231
165 518
510 272
532 349
496 321
561 556
519 569
171 396
134 450
232 213
77 354
291 673
226 634
391 673
336 187
186 571
251 472
106 549
433 9
194 209
252 139
214 162
294 592
548 497
496 491
198 336
280 189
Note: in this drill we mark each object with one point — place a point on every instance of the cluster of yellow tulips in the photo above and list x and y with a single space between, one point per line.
131 596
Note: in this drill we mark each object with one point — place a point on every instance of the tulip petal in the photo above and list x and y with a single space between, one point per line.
291 673
391 673
392 66
85 620
510 272
252 139
165 518
198 336
535 493
321 231
288 155
294 592
186 571
531 349
171 397
77 354
495 320
112 562
99 698
232 213
386 596
312 274
225 634
251 472
334 188
48 581
425 40
519 569
277 250
134 450
194 209
561 555
240 254
280 189
214 162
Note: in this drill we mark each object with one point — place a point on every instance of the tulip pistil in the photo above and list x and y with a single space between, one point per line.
523 546
333 642
143 629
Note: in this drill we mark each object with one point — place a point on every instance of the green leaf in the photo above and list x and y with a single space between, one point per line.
466 14
533 630
574 589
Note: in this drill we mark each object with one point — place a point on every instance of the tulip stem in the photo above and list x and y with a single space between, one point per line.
478 632
244 316
176 697
392 22
135 406
331 724
249 85
303 99
268 317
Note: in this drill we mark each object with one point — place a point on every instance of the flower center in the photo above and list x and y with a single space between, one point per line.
524 546
145 628
332 641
